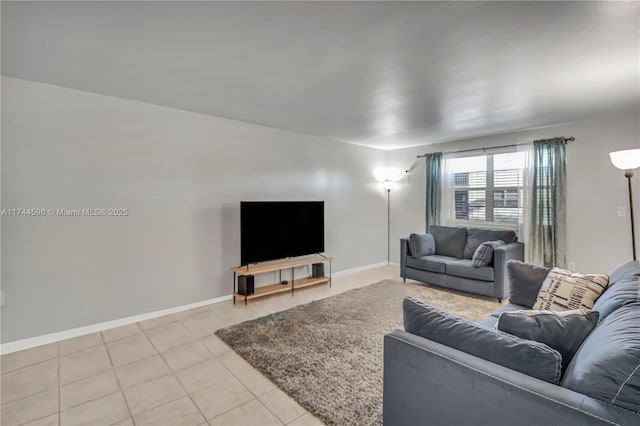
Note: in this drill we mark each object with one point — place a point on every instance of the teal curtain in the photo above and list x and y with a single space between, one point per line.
433 172
547 211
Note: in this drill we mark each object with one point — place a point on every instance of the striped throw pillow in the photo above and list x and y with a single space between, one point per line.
484 253
564 290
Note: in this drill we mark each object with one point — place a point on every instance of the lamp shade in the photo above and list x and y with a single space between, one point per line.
388 185
626 159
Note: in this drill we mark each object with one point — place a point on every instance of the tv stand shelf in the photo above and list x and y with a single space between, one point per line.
279 265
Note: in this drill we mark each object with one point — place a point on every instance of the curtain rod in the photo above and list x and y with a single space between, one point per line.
571 139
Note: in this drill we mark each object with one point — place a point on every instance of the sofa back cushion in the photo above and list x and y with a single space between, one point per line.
525 281
607 365
526 356
624 288
450 241
422 245
475 237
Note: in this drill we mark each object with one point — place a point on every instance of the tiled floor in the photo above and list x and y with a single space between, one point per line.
170 370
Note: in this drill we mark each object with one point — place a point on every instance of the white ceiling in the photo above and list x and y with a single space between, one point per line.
382 74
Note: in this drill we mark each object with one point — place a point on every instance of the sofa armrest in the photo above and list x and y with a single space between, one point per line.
404 252
501 255
426 382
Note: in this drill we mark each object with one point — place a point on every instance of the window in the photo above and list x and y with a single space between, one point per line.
488 188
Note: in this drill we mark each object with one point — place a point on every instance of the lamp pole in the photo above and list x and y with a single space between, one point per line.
388 226
629 174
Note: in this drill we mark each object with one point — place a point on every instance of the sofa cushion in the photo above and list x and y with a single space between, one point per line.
475 237
624 288
564 290
432 263
509 307
562 331
533 358
489 322
422 245
449 241
484 254
525 281
630 269
464 268
607 366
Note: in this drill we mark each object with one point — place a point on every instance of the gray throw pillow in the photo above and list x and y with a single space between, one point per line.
422 245
526 356
484 253
563 331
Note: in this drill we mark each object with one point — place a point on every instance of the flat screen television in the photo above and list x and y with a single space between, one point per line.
279 229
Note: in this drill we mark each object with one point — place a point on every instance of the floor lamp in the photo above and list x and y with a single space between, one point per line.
387 184
628 160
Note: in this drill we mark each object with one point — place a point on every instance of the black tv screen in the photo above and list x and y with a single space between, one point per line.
279 229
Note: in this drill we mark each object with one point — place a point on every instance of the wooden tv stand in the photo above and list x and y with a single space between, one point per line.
279 265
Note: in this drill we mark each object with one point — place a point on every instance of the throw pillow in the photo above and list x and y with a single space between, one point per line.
562 331
526 356
422 245
564 290
484 253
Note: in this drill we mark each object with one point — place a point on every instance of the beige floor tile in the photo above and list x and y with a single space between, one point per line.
282 405
29 381
252 413
118 333
216 346
306 420
156 322
185 355
85 363
107 410
181 412
221 397
51 420
151 394
256 382
88 389
204 374
76 344
126 422
202 324
20 359
29 409
130 349
167 336
142 371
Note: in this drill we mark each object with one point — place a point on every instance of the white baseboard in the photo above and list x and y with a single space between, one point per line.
45 339
359 268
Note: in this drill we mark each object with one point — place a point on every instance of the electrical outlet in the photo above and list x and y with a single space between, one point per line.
571 266
1 298
622 211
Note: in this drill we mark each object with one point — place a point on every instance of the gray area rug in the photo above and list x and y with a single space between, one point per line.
327 354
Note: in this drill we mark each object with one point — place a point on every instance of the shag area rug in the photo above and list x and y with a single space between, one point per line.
327 354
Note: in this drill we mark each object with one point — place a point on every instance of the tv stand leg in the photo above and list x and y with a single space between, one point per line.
234 287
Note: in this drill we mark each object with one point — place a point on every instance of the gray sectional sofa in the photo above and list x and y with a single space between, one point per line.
451 265
429 383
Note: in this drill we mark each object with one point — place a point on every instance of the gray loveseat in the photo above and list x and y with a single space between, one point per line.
427 383
451 266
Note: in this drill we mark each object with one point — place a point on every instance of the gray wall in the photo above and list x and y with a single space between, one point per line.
597 239
182 176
